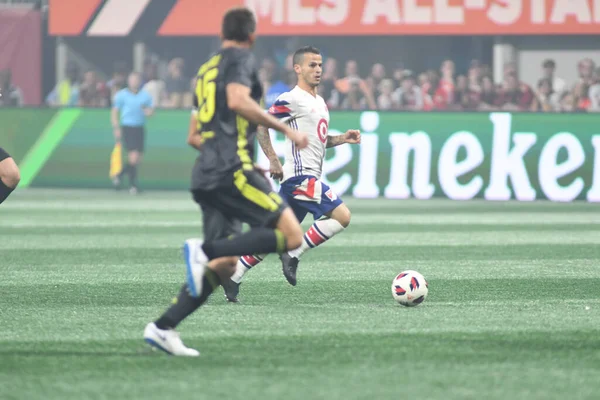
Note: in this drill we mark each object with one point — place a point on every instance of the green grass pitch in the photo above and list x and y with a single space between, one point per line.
513 310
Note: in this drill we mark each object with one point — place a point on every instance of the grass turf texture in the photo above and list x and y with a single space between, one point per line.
513 309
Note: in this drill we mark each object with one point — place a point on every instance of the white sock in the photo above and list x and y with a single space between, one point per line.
320 232
244 265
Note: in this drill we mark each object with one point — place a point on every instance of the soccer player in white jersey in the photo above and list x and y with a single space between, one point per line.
301 187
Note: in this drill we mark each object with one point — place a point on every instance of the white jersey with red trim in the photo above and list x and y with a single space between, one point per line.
306 113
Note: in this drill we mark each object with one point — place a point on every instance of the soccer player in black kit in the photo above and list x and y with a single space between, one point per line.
225 183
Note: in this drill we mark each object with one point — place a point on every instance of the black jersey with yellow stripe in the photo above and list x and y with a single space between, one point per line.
229 138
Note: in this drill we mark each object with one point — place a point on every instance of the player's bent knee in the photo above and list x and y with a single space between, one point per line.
10 173
342 215
345 218
13 179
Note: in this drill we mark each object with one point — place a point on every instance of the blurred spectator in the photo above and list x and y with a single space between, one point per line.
327 88
558 85
429 86
386 99
462 95
567 102
277 88
474 79
594 93
10 95
352 77
409 96
545 100
92 93
581 96
487 97
398 74
444 95
267 73
176 84
586 72
510 68
154 86
118 81
355 99
423 79
66 92
514 96
508 94
374 80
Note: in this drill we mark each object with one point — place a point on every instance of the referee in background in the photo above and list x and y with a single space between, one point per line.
131 106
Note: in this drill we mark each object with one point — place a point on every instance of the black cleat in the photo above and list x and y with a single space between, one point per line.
289 265
232 290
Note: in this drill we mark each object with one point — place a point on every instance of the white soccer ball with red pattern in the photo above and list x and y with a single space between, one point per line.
409 288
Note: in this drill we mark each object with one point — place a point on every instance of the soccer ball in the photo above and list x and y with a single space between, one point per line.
409 288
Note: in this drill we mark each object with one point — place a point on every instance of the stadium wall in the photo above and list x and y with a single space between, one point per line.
496 156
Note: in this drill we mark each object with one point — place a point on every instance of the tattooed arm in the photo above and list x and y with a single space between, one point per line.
351 136
333 141
264 140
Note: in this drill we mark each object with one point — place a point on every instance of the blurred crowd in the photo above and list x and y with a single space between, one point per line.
445 90
344 87
173 90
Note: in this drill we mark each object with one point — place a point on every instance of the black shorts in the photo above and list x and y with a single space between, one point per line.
3 154
133 137
246 197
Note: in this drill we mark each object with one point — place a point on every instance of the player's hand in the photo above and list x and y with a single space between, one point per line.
300 139
352 136
276 169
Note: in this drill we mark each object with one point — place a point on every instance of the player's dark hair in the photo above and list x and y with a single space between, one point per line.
299 54
238 24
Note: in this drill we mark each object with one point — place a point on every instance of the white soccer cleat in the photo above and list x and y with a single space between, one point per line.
195 261
167 341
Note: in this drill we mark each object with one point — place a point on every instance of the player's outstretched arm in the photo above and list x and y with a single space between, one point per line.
351 136
240 101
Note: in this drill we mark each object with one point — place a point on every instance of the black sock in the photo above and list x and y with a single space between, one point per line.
124 171
4 191
256 241
184 304
133 175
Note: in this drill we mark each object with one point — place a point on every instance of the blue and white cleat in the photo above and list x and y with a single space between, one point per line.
167 340
195 261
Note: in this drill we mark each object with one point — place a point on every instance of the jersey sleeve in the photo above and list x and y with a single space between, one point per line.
240 70
284 108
